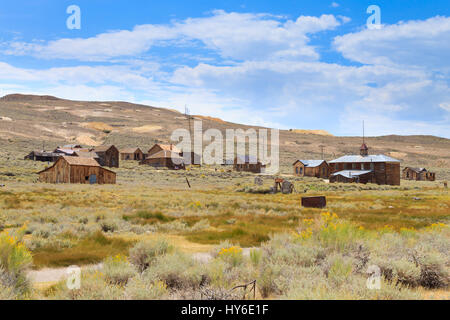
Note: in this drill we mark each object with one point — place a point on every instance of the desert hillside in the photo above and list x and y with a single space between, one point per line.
28 122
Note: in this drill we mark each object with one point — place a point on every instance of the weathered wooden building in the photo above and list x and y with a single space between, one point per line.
365 168
248 164
311 168
418 174
165 159
44 156
162 147
108 156
131 154
77 170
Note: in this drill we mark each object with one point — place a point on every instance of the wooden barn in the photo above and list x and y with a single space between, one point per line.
248 164
131 154
418 174
44 156
165 159
108 156
311 168
162 147
77 170
384 170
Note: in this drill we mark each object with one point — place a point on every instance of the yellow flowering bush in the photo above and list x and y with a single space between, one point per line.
232 255
15 259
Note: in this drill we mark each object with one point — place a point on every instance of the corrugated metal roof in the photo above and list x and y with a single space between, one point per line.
65 151
78 161
351 173
369 158
311 163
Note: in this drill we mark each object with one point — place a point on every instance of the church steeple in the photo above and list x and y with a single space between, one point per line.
364 150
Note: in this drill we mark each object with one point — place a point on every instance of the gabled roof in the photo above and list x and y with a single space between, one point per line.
79 161
311 163
101 148
75 161
351 173
130 150
165 154
167 147
369 158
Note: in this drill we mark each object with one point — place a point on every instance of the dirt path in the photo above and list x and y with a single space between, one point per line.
53 275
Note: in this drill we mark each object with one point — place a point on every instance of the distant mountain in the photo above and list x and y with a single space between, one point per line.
28 121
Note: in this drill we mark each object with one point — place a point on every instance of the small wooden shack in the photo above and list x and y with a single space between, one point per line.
77 170
418 174
131 154
108 156
165 159
44 156
311 168
248 164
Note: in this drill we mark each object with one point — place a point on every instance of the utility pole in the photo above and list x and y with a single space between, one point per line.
322 147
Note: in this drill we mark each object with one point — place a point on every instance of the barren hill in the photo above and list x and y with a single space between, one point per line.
28 122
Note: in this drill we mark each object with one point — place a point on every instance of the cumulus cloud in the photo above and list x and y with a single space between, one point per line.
232 35
420 43
264 72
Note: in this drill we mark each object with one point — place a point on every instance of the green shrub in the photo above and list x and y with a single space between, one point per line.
140 288
118 270
177 271
144 253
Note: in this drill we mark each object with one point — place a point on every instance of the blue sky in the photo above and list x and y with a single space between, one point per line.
285 64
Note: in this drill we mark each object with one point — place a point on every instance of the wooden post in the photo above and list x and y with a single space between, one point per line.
445 185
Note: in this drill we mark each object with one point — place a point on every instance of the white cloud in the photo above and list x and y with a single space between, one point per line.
233 35
422 43
334 4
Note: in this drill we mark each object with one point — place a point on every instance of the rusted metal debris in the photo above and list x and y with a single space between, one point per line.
314 202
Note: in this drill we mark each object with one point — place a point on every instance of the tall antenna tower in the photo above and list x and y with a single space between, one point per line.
188 116
364 134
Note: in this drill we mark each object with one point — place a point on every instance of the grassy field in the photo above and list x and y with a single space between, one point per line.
82 224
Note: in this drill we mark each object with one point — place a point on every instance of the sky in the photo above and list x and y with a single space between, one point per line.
280 64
